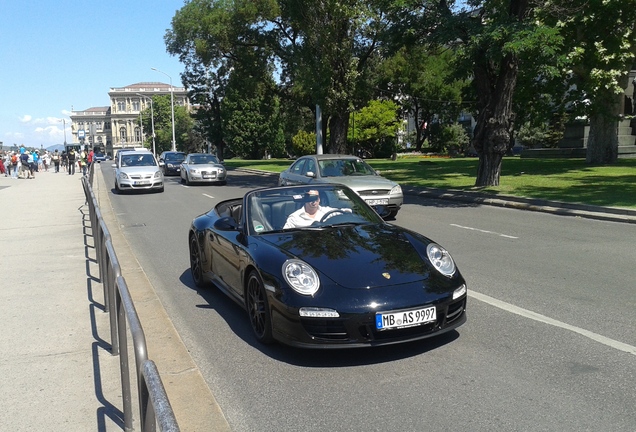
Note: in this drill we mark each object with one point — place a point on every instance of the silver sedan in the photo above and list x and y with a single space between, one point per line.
202 168
350 171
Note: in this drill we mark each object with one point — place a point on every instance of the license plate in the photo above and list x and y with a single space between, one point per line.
142 183
384 201
209 176
408 318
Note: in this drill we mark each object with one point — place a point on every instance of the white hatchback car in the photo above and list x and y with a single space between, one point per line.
137 170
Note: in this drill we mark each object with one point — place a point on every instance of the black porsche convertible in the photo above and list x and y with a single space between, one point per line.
340 276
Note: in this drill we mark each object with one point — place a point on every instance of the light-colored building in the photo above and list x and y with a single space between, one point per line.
119 125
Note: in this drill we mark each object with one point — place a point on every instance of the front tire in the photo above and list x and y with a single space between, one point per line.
258 309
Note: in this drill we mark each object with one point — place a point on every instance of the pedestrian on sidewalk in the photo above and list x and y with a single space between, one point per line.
71 161
15 165
64 158
32 164
83 162
56 160
4 162
24 164
46 160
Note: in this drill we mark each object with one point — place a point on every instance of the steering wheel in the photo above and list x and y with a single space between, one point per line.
330 213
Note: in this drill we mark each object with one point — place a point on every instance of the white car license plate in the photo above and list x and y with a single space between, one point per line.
372 202
209 176
142 183
408 318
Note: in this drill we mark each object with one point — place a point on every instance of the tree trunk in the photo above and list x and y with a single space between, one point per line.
338 125
602 142
494 122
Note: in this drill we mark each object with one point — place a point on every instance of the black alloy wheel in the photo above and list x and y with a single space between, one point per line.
258 309
195 263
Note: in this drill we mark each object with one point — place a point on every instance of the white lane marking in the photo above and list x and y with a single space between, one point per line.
546 320
484 231
209 196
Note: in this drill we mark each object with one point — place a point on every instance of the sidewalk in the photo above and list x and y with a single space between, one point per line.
55 362
56 368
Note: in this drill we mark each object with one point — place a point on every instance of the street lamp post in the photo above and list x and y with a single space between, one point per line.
64 123
174 143
152 122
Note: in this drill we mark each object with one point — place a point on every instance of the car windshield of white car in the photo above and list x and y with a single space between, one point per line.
203 160
344 167
137 160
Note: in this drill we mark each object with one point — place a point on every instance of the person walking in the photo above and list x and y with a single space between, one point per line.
64 158
56 160
4 163
83 162
15 164
71 161
46 160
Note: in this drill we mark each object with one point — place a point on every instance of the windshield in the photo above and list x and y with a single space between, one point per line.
174 157
306 207
203 159
136 159
344 167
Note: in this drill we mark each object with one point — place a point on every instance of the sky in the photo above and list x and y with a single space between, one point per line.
64 55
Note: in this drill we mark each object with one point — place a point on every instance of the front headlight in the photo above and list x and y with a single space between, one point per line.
123 175
301 277
157 174
441 259
396 190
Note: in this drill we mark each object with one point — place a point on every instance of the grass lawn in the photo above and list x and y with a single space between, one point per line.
569 180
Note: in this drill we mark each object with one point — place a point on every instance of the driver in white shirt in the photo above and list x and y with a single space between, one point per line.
310 212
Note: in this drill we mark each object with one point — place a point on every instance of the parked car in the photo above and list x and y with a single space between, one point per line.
349 279
350 171
170 162
202 168
137 170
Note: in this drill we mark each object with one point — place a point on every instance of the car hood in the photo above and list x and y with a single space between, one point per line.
359 257
362 182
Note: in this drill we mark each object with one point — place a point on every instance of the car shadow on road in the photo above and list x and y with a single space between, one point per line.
237 320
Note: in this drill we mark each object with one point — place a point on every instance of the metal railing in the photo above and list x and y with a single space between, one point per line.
154 406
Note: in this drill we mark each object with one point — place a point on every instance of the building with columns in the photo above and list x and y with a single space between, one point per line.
119 125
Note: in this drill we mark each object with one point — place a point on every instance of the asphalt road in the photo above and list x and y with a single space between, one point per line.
550 342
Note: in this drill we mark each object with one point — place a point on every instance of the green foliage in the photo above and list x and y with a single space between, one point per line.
303 143
449 139
374 127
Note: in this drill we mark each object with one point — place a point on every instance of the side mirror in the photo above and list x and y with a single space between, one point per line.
114 165
226 224
311 174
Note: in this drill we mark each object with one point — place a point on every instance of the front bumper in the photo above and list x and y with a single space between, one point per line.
140 184
353 328
207 177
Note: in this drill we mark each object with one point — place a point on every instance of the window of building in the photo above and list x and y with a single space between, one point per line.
121 106
122 134
136 106
137 134
106 125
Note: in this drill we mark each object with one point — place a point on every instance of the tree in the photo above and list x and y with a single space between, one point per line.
600 46
376 125
320 47
422 79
